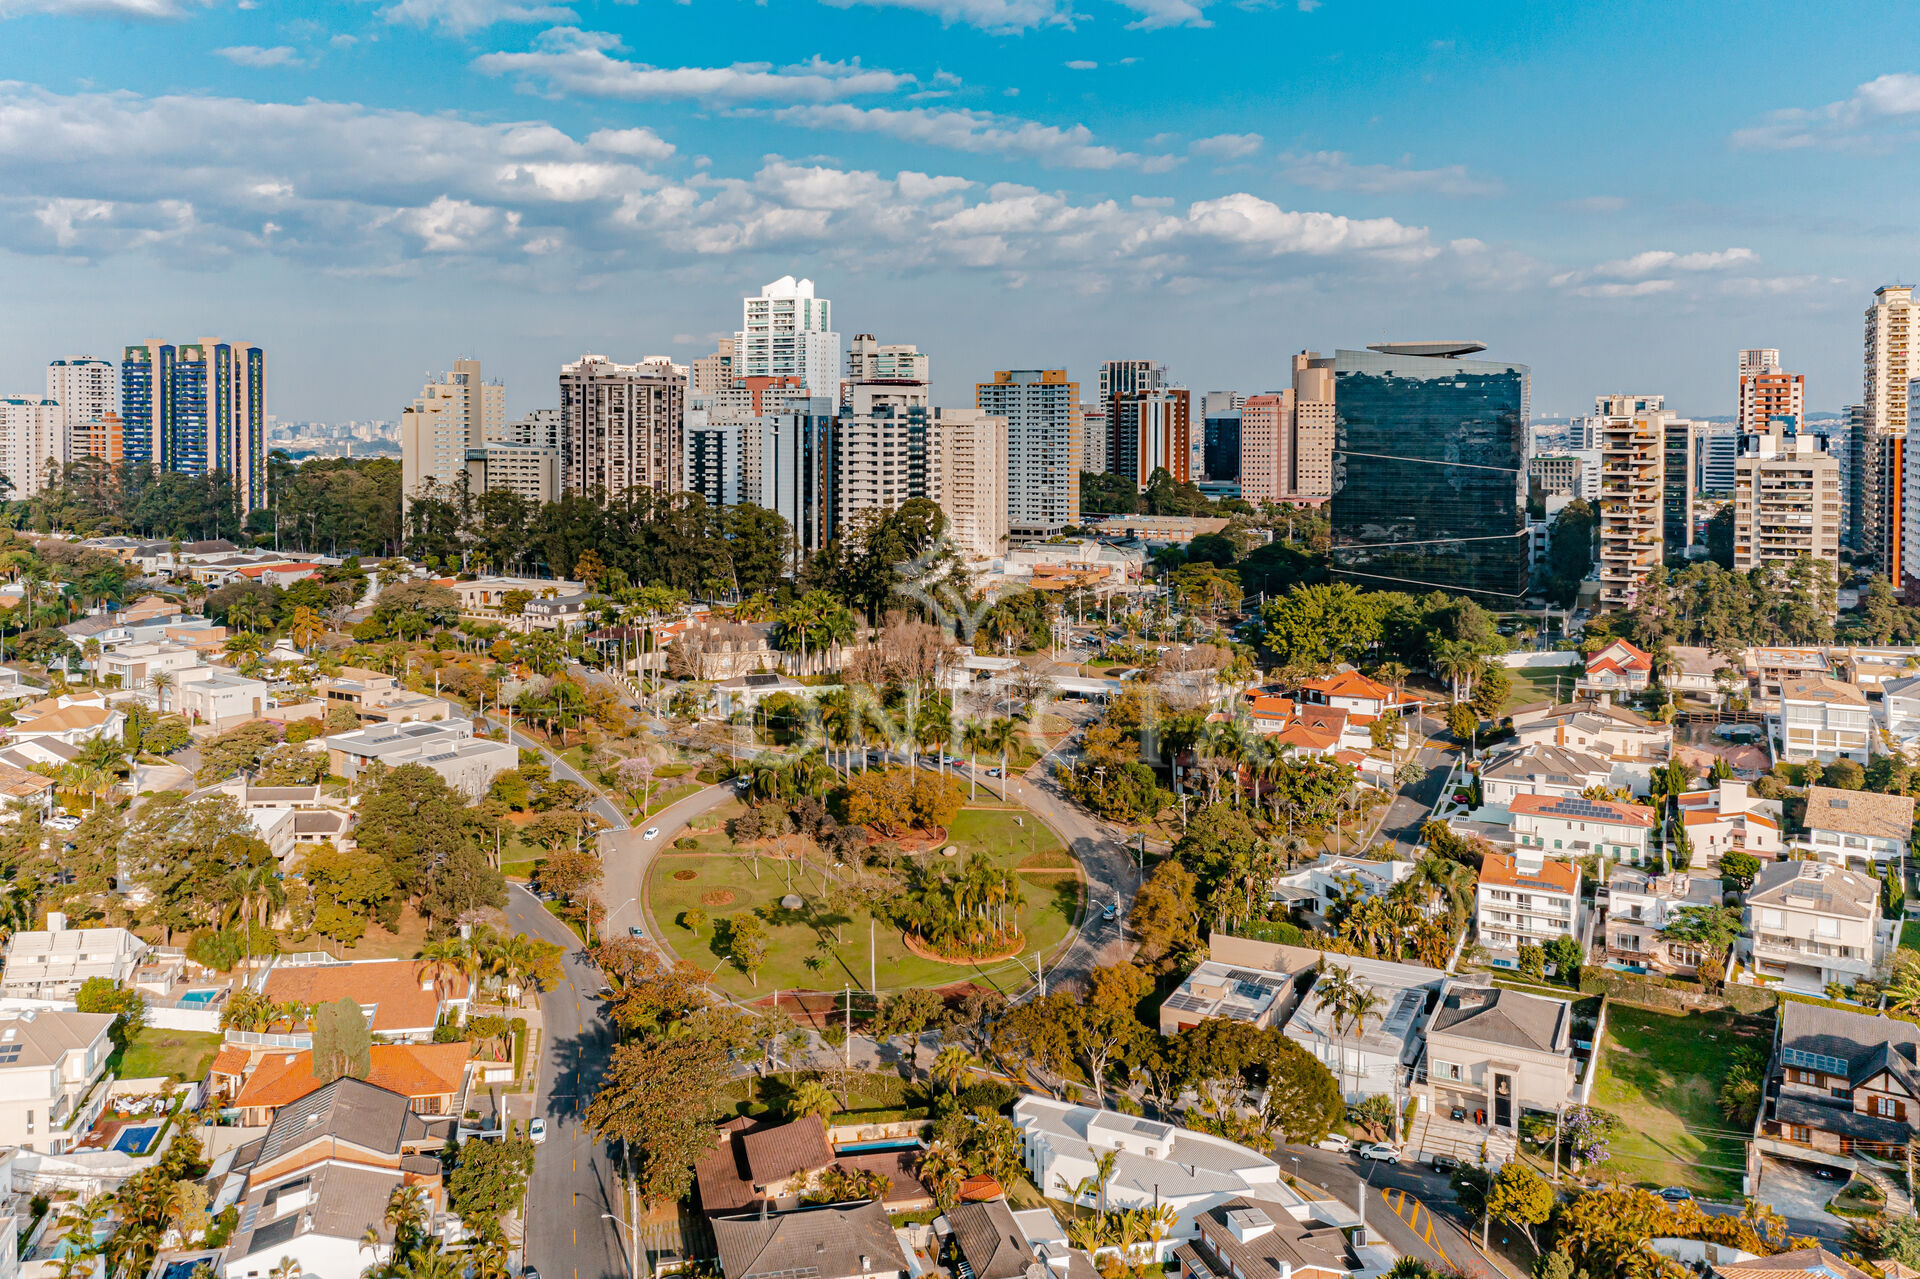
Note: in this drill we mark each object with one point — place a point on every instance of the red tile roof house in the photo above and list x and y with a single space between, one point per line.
1617 668
403 1000
1352 691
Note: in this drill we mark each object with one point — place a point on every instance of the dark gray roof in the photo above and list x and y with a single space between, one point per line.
1808 1112
991 1240
349 1109
344 1201
1506 1017
813 1243
1556 763
1837 1032
1285 1240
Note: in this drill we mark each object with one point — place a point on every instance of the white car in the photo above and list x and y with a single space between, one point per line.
653 832
1381 1151
537 1129
1339 1143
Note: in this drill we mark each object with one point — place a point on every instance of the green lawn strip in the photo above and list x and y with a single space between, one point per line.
1536 684
154 1052
1910 935
573 925
1660 1075
724 882
667 796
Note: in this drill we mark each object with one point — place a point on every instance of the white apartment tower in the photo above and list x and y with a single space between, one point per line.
1124 377
788 332
1096 438
459 412
967 470
869 361
1045 448
86 388
880 449
31 436
1890 324
1786 500
621 425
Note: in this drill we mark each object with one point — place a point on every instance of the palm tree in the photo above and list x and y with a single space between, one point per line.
811 1097
1000 735
160 681
952 1065
289 1268
437 959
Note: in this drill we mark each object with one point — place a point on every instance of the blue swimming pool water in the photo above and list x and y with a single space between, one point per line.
61 1247
134 1139
869 1147
198 997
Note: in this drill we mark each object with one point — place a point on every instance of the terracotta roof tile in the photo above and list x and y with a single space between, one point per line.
1559 877
392 987
1610 811
412 1070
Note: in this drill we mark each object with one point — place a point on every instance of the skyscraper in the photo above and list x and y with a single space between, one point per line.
1766 392
1045 451
30 439
1430 470
967 466
1220 441
1096 439
84 388
712 372
1266 428
1124 377
1633 444
1676 503
450 418
621 425
788 332
868 361
1786 499
1286 438
1152 431
198 408
880 449
1890 325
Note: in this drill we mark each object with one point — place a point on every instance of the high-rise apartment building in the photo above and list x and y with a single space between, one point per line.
1125 377
1045 451
1096 439
1786 499
1430 470
31 439
968 476
540 428
1766 392
880 449
1633 443
103 440
714 372
621 425
1715 447
458 414
1286 437
1152 431
869 361
1570 475
198 408
1847 444
713 451
1890 325
798 469
531 470
1676 502
86 389
788 332
1266 430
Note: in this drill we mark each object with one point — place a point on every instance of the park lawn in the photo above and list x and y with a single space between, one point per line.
724 881
1536 684
183 1054
667 796
1660 1075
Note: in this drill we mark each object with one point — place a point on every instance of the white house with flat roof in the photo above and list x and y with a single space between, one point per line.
448 747
1379 1059
52 963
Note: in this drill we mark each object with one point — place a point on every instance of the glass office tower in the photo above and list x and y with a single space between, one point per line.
1429 487
1222 448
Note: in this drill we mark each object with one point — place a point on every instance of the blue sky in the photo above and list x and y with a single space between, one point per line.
1620 197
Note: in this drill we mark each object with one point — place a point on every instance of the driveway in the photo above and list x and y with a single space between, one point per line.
1793 1191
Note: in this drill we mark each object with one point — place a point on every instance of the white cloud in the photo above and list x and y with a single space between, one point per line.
1655 261
1227 146
568 60
1639 290
1001 17
1332 171
643 144
1653 271
1081 64
139 10
248 55
1155 14
1874 114
460 16
979 132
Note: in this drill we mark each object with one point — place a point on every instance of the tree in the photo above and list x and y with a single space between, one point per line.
1303 1099
1521 1196
1738 869
1166 916
811 1097
660 1096
747 943
1564 953
348 888
1462 721
104 995
1105 1022
342 1042
488 1181
236 751
1533 962
1312 629
952 1066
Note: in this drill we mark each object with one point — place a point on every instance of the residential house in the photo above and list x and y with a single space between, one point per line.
1350 691
1771 668
283 573
403 1000
1576 826
1859 829
1618 670
1497 1053
992 1241
54 962
1842 1081
832 1241
22 791
378 698
1526 899
1315 887
557 612
50 1062
1872 669
134 665
1640 904
69 720
315 1187
1731 818
1212 990
432 1077
217 696
759 1164
1246 1237
448 747
1811 923
1695 673
1542 769
1900 711
486 597
1824 719
1154 1163
1632 743
746 692
1378 1059
1801 1263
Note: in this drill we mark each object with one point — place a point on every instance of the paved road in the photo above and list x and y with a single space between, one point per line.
1410 1205
1414 804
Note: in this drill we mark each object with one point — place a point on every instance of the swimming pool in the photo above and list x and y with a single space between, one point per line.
198 998
56 1246
135 1138
872 1147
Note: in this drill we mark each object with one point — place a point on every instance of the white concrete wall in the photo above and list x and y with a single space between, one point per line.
1527 661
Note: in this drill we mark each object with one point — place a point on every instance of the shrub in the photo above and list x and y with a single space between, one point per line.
686 842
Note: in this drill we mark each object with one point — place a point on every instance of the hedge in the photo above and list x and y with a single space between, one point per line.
1665 994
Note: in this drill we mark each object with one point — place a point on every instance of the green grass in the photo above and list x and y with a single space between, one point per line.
871 1096
184 1054
1536 684
1660 1075
1910 935
667 796
720 868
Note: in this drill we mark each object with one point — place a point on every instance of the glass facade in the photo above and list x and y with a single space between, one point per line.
1222 447
1429 486
198 406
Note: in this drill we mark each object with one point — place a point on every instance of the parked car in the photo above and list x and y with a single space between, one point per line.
1107 912
653 832
1675 1194
528 1272
1381 1152
634 930
1445 1163
1337 1142
537 1129
1458 1115
995 772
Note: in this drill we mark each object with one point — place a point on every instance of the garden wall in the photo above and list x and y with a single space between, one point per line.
1527 661
205 1020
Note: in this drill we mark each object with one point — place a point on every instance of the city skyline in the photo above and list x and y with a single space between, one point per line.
1005 183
